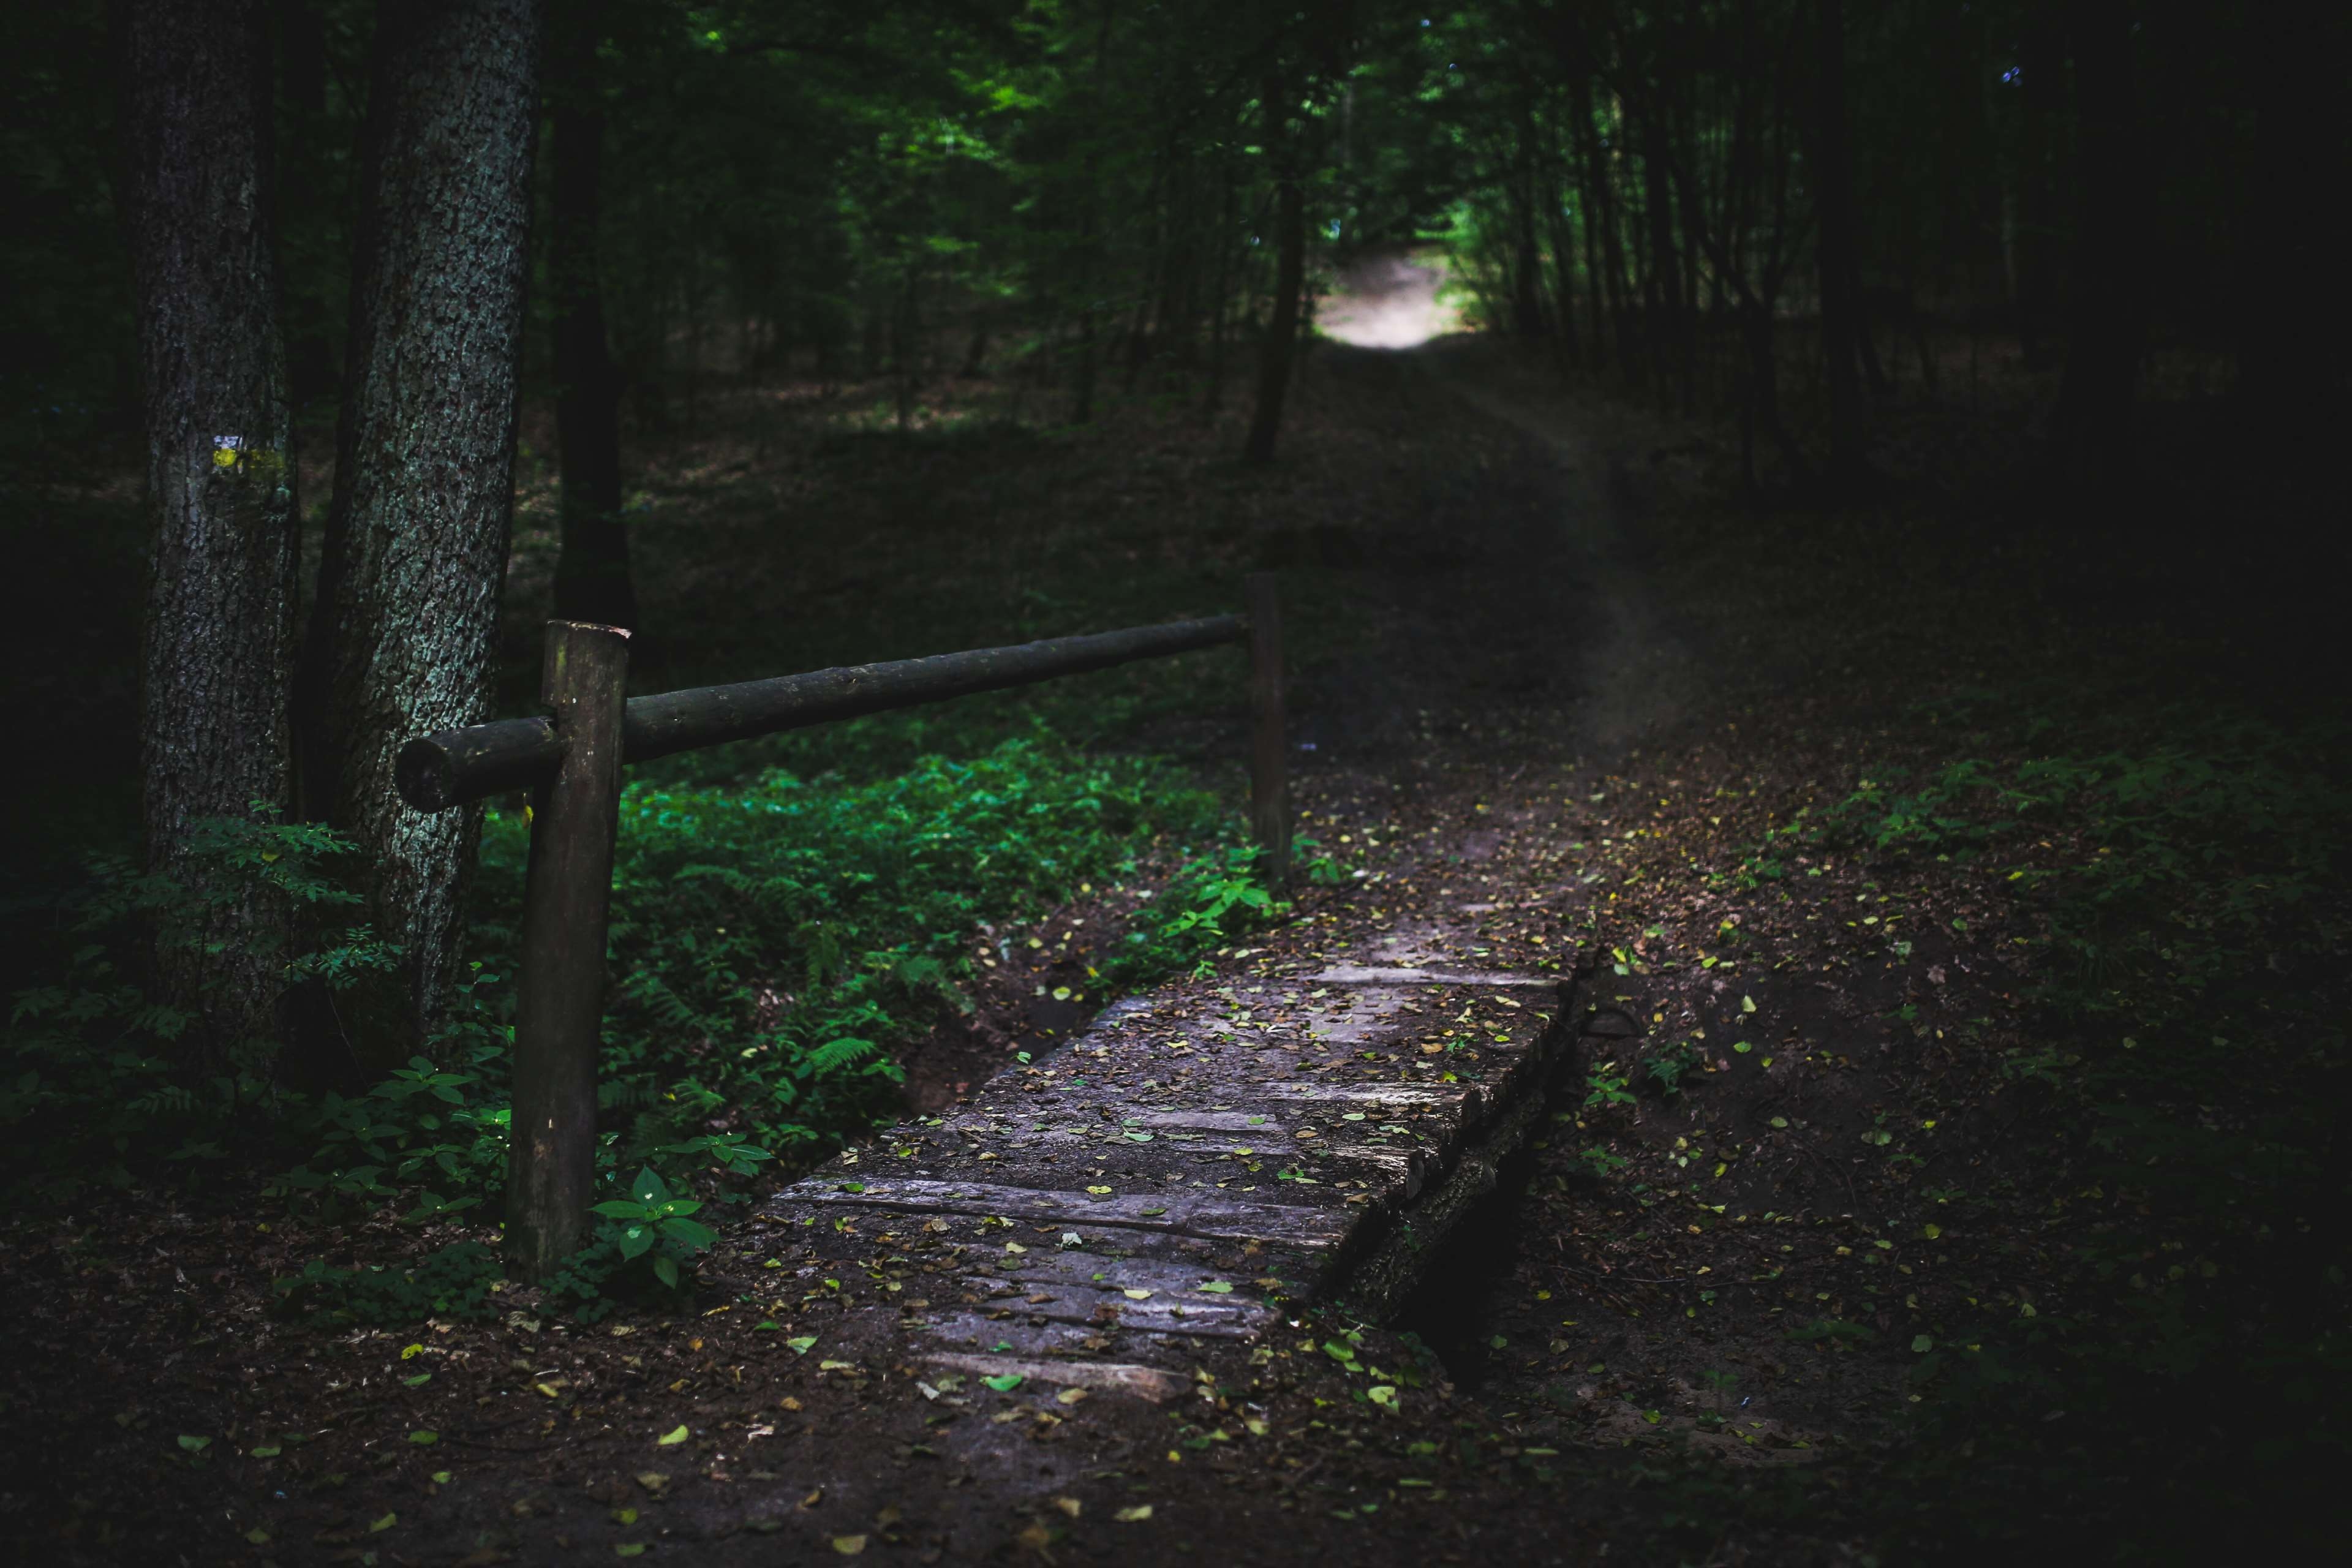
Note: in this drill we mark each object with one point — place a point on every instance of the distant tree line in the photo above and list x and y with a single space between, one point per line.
416 210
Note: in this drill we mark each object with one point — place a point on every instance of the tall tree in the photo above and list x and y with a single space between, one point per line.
592 571
1841 272
1279 346
219 633
414 555
2106 279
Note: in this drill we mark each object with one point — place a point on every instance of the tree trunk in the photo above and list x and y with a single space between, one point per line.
1834 251
1527 263
217 656
2041 62
2290 360
402 637
1221 304
306 197
1275 349
591 572
1571 348
2106 277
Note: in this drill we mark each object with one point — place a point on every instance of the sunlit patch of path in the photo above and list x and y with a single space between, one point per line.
1388 300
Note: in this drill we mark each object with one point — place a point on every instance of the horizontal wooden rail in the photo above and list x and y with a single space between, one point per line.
571 762
454 766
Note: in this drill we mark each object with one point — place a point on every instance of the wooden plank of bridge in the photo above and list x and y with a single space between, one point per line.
1194 1164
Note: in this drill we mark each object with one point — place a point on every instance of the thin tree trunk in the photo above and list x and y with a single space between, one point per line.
2290 358
1276 347
1215 397
1834 202
2041 64
304 186
1571 351
1527 263
592 571
217 657
2106 277
1082 394
1671 331
403 635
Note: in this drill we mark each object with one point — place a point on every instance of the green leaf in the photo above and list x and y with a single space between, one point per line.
670 1439
802 1345
648 1188
636 1240
693 1235
1923 1343
1215 1287
665 1270
1007 1383
386 1522
268 1451
425 1439
195 1445
614 1208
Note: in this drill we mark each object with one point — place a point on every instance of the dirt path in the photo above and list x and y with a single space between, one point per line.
1728 1225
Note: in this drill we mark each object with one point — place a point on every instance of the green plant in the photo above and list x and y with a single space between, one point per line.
1665 1066
1607 1088
453 1282
93 1084
1207 903
652 1223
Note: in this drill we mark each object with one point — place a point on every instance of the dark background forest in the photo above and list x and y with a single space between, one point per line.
1961 385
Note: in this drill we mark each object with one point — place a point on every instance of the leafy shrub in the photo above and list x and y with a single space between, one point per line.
773 941
455 1282
91 1085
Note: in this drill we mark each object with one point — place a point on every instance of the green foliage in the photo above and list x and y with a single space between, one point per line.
1664 1067
653 1224
91 1085
1607 1088
772 942
1207 903
456 1281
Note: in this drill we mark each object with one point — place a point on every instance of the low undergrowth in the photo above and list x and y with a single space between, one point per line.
773 943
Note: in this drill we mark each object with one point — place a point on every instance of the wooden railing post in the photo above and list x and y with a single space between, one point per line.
1269 780
560 994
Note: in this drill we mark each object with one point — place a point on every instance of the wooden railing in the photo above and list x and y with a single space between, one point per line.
571 760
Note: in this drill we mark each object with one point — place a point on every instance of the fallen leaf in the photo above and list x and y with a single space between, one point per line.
667 1438
425 1439
802 1345
849 1546
1134 1515
1214 1287
386 1522
1007 1383
1069 1505
1071 1395
195 1445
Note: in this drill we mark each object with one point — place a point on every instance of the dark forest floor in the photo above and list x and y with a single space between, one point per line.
1545 664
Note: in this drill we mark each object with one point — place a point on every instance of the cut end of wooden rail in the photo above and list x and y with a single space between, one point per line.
423 776
451 767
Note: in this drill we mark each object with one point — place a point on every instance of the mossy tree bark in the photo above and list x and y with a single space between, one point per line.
218 651
402 639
